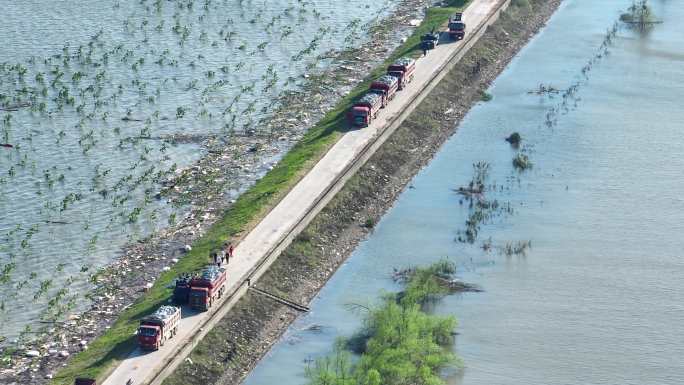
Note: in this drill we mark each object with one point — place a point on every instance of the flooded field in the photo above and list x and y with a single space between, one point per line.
101 102
581 256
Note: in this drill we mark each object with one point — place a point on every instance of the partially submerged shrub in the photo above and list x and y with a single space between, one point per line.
639 14
397 334
522 162
514 139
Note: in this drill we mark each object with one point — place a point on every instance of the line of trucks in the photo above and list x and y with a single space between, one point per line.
201 291
381 91
399 74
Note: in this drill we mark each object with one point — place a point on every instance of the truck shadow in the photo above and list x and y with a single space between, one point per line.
445 38
187 311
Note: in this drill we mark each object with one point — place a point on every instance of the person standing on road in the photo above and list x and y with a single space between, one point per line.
228 250
215 257
222 255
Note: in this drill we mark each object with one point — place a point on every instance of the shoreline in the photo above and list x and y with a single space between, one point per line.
124 281
236 345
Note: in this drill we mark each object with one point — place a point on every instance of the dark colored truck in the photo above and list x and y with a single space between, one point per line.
385 86
456 27
208 287
85 381
403 69
158 327
181 292
429 40
365 110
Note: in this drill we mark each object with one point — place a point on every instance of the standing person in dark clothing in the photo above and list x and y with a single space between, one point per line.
215 257
228 250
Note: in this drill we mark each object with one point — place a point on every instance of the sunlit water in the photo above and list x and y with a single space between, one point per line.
598 299
77 185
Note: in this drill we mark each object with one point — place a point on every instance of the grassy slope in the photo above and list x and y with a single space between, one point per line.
105 352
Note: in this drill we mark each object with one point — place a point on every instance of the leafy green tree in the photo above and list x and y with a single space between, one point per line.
405 345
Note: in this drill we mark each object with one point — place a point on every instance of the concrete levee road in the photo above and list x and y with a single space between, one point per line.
263 244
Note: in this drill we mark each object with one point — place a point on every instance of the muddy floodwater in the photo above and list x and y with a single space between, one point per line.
90 90
598 298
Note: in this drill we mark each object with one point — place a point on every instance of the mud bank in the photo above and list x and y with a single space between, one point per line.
241 338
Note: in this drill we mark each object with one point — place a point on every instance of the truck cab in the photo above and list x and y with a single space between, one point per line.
365 109
457 27
149 337
360 116
199 298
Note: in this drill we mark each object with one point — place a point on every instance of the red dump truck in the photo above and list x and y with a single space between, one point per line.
365 109
158 327
403 69
456 27
386 86
207 287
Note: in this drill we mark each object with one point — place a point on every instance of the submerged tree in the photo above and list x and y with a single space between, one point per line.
639 16
400 343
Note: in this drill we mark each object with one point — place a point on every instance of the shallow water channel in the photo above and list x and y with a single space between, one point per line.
86 90
598 298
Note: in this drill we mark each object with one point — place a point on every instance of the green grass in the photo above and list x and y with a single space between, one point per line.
106 351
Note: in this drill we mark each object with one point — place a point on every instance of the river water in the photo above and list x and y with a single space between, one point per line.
598 299
78 184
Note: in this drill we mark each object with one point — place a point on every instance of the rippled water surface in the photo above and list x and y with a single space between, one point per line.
598 299
81 82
